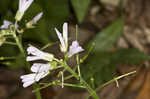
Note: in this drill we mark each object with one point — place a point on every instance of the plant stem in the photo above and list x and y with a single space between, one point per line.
90 90
19 44
113 80
37 93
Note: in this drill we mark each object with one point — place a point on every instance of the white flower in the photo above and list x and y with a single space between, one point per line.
63 39
34 20
24 5
74 48
6 24
38 55
39 67
37 17
40 71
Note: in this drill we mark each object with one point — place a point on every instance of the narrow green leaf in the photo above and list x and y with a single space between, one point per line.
80 7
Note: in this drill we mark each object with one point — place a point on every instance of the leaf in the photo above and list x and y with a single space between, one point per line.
56 12
102 65
8 50
17 63
80 7
39 33
104 40
99 66
4 4
129 56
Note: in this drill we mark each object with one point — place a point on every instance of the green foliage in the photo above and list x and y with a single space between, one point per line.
55 12
106 38
101 64
16 63
4 4
80 8
129 56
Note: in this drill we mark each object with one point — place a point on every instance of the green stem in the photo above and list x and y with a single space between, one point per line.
19 44
70 70
10 43
113 80
90 90
71 85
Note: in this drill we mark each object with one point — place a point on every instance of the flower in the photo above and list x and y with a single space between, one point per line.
34 20
6 24
74 48
37 17
63 39
23 6
38 54
39 71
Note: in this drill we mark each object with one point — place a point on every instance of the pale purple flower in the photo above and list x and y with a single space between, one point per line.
40 71
37 18
6 24
38 54
24 5
74 48
63 38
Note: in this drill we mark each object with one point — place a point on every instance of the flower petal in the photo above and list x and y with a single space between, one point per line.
26 84
38 54
28 76
34 51
74 49
6 24
24 5
63 47
37 17
40 75
65 34
33 58
38 67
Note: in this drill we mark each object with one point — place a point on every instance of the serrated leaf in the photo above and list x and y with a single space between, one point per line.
80 7
105 39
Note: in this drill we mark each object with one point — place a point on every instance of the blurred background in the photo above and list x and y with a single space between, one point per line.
118 31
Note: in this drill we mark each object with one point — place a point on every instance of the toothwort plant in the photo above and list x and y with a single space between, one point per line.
39 71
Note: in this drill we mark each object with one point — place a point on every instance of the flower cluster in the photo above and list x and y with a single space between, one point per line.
74 48
8 27
41 70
